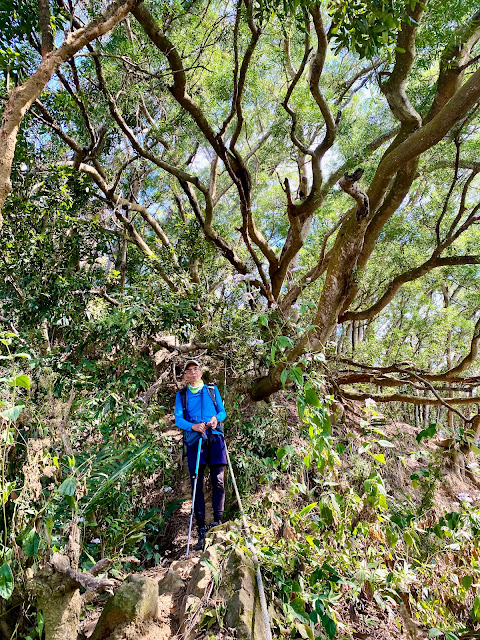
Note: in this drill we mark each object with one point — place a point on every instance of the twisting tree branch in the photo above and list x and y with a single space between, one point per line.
22 97
408 276
350 185
45 26
394 88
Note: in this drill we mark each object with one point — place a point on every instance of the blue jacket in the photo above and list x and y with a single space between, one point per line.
200 408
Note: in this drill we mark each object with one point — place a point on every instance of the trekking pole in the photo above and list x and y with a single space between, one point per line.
194 490
256 562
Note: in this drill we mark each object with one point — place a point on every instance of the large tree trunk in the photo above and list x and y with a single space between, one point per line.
21 98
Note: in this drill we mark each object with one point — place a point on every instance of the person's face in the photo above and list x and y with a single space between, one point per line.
193 375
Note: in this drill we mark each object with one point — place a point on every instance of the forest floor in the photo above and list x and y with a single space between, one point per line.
369 624
174 544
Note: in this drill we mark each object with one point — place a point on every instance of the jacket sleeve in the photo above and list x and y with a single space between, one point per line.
222 414
179 419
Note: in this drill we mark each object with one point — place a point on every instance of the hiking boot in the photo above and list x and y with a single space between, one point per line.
214 524
201 538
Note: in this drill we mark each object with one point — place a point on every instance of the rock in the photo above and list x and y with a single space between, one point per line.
171 583
202 574
190 617
240 594
135 601
237 588
180 565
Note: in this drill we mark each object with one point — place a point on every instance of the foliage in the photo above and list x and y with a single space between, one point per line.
339 550
138 232
101 488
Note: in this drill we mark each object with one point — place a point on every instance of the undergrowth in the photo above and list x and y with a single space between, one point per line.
346 542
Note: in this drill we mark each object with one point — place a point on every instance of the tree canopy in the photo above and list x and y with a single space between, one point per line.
305 171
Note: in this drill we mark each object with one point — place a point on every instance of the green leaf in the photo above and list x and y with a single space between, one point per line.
20 381
8 436
427 433
273 351
6 581
298 607
311 398
30 543
284 341
306 460
296 374
434 633
408 538
12 413
49 526
7 490
311 542
385 443
68 487
305 631
467 582
392 537
329 626
379 457
476 608
208 564
304 511
263 320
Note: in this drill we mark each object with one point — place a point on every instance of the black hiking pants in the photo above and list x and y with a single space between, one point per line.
217 474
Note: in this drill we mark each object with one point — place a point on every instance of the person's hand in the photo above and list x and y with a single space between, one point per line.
213 422
201 427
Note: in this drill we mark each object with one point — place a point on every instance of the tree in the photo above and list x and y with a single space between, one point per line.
22 97
247 118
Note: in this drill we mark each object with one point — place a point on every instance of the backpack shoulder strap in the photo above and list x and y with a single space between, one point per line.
211 393
183 398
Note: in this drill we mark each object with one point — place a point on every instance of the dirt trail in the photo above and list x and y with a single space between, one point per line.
174 542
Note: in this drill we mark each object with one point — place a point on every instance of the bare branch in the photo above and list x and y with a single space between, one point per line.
466 361
314 81
313 274
401 397
442 400
433 262
394 87
23 96
454 62
293 133
179 87
82 579
242 76
350 185
360 74
45 26
236 28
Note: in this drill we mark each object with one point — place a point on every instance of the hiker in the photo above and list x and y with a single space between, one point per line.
199 410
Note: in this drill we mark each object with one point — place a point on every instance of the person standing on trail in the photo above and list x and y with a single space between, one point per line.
199 410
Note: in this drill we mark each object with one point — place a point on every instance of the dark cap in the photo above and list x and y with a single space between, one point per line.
189 362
